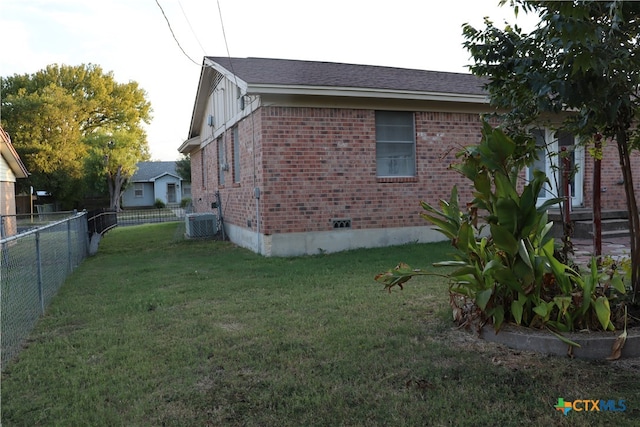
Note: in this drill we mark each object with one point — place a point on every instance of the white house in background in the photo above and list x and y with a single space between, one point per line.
155 181
11 168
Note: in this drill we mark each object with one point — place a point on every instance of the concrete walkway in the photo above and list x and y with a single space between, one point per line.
615 247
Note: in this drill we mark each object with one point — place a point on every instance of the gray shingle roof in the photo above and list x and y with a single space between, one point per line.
148 171
312 73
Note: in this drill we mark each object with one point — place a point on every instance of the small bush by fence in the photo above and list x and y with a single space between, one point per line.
33 266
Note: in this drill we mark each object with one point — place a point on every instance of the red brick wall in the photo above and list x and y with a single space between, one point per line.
237 199
611 176
319 164
204 179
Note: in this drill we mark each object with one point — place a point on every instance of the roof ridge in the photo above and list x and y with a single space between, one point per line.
311 61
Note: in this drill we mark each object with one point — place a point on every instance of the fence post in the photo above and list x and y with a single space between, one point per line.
39 264
69 249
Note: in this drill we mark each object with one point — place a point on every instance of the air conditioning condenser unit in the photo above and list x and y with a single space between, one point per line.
201 225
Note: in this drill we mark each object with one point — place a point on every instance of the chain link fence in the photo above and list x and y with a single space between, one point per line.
33 266
150 216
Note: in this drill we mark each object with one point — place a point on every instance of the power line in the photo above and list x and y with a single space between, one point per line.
192 31
174 36
224 34
226 45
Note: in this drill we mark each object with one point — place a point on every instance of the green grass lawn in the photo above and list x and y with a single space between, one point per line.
156 331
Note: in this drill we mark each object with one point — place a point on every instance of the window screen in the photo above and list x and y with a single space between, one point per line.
395 144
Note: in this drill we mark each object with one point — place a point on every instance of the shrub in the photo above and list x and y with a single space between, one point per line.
510 273
159 204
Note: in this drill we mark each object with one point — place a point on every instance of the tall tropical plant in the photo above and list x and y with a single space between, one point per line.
583 58
505 261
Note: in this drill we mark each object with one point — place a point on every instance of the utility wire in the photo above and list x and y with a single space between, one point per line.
192 31
226 45
174 36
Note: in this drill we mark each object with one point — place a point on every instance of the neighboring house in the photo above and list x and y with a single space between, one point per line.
314 156
11 168
155 181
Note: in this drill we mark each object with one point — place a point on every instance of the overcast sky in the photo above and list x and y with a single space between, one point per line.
131 38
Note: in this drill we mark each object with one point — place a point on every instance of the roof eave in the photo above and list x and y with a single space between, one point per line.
155 178
366 93
13 159
229 74
190 145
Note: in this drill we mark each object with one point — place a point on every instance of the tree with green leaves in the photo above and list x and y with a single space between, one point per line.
183 167
112 160
582 61
61 119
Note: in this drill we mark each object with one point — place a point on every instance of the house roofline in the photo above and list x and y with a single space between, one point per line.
226 73
11 156
161 175
190 145
264 89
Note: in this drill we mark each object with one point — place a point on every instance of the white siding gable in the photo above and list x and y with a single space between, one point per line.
6 174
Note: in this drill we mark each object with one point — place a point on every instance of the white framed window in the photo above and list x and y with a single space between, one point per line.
138 190
395 144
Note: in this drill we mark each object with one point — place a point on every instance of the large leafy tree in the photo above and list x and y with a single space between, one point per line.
58 116
111 162
583 58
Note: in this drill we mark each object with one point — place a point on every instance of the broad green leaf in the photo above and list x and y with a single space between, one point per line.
618 285
549 203
564 339
516 310
498 317
507 213
563 303
560 326
504 239
449 264
482 298
466 237
505 276
482 183
588 288
505 188
466 269
445 227
559 269
603 311
545 229
494 264
541 310
462 290
500 144
524 253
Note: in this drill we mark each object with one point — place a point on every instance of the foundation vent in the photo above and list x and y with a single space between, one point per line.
341 223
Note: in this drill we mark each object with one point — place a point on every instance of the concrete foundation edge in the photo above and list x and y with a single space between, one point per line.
596 345
313 243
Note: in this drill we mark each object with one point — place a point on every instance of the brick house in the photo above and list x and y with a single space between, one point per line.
310 157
